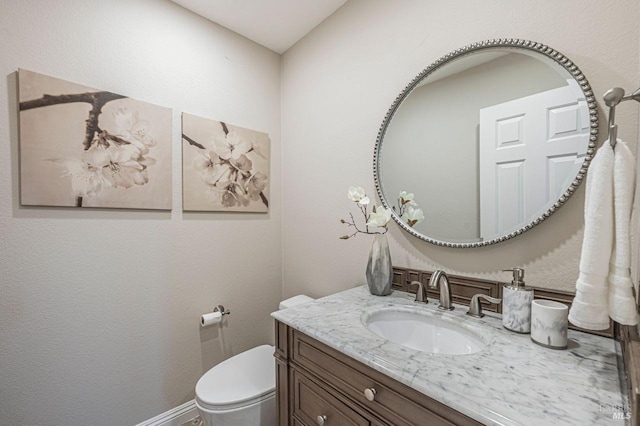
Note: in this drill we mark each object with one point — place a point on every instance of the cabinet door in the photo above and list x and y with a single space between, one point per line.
315 406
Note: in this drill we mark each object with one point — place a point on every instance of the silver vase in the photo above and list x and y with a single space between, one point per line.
379 269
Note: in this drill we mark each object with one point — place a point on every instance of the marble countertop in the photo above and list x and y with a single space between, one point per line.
512 381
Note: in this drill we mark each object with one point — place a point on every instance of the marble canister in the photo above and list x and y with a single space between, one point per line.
549 323
516 309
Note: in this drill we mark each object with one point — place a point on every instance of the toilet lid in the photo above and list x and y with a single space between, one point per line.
239 381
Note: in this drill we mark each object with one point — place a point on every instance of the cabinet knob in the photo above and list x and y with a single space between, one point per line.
370 394
321 420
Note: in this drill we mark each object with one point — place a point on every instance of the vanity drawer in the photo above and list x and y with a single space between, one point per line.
393 402
310 402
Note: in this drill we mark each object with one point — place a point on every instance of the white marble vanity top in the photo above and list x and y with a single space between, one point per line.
512 381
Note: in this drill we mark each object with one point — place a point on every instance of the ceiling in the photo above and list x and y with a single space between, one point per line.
275 24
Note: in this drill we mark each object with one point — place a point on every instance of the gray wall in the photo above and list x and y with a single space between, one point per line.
338 83
100 309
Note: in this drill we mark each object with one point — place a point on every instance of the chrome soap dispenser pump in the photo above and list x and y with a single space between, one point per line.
516 303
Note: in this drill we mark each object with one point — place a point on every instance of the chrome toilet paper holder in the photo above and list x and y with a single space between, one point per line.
222 311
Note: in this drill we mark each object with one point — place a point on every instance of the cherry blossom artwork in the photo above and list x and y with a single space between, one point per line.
224 167
82 147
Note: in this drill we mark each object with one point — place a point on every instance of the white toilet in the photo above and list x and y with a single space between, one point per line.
241 389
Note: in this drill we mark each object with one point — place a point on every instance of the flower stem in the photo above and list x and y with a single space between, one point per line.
360 231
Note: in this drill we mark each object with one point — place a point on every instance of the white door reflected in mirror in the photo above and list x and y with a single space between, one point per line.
531 148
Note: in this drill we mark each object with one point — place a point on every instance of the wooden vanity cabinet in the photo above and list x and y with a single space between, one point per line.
317 385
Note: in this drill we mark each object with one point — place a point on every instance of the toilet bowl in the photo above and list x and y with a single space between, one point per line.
241 389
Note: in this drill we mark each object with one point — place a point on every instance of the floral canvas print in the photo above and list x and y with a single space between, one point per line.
225 167
84 147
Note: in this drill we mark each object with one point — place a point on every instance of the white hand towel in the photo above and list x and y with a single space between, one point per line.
590 307
635 238
622 305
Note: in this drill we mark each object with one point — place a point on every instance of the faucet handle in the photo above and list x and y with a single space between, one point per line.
475 308
421 294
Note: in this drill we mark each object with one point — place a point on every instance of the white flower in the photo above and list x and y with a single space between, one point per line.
364 201
132 129
356 194
122 166
407 197
86 180
258 147
413 215
380 217
232 146
211 169
255 184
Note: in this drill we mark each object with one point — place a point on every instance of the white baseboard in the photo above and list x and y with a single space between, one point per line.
174 417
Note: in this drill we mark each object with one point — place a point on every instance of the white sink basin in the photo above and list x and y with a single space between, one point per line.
424 332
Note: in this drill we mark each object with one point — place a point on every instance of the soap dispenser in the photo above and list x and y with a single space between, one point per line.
516 303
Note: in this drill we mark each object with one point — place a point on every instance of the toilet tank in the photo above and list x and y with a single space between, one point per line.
295 301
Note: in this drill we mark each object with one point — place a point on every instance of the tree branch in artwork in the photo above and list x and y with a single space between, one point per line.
192 142
110 160
228 172
96 99
264 199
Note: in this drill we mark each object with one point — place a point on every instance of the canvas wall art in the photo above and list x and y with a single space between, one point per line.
85 147
224 167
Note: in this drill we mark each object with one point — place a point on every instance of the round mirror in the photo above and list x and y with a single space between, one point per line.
486 143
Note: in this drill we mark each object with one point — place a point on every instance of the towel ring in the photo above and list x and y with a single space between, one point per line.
612 98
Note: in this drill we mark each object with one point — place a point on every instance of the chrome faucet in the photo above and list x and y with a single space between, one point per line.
440 278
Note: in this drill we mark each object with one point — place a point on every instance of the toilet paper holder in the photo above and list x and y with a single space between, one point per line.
215 317
222 311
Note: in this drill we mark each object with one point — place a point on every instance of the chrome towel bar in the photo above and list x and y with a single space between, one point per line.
612 98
